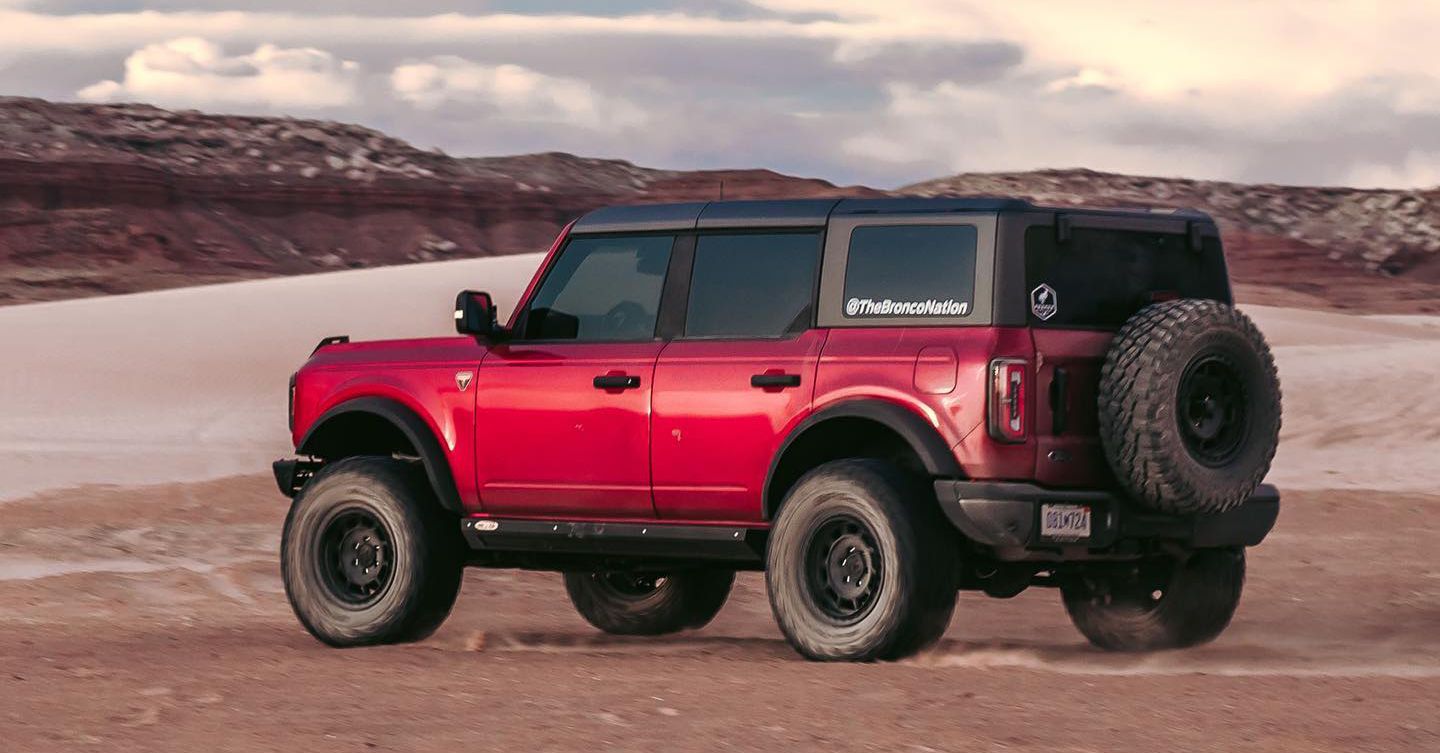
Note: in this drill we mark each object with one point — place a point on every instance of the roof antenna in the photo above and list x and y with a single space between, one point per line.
722 190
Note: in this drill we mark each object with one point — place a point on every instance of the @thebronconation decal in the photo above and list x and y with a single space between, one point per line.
888 307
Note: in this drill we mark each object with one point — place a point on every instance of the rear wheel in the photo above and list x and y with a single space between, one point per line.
368 556
649 604
1163 603
858 567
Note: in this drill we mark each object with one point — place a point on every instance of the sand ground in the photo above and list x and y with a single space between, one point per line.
153 619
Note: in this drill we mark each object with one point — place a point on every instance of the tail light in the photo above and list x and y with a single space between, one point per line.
1009 378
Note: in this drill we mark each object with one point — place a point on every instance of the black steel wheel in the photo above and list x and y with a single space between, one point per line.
629 585
844 568
1211 403
354 556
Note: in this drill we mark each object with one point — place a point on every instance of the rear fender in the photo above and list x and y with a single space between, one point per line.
923 438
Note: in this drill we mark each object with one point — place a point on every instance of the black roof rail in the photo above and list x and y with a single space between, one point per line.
799 213
913 205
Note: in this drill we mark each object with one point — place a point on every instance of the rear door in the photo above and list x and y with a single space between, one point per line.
1080 291
563 410
740 374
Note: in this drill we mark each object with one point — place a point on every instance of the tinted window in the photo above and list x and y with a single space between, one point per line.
601 289
911 270
1101 277
752 285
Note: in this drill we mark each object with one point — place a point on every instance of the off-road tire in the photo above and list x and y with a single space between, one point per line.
916 586
623 604
422 549
1152 438
1198 596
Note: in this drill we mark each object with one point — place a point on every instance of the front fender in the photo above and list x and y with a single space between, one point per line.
415 429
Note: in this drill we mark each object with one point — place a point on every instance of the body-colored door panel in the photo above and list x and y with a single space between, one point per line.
722 409
550 442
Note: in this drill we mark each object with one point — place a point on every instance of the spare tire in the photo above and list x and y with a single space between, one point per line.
1189 406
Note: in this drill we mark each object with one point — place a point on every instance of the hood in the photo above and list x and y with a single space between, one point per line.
422 351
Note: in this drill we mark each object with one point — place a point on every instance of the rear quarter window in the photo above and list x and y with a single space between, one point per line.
910 271
1101 277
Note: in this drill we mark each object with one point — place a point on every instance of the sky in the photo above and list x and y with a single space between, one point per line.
1335 92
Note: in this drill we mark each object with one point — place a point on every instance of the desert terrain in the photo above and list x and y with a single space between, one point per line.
141 607
103 199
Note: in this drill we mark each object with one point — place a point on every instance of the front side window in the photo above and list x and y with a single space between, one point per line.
910 271
752 285
602 289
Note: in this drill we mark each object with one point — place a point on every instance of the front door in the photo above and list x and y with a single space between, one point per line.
739 377
563 413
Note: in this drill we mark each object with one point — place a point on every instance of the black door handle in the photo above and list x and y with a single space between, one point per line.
775 380
616 382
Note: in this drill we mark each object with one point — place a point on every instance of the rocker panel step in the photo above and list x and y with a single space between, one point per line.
730 543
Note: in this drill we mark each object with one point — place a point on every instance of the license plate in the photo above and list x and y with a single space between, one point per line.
1068 522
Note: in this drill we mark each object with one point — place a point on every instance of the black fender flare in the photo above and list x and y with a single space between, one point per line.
415 429
923 438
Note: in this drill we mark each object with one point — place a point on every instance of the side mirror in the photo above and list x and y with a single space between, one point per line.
475 314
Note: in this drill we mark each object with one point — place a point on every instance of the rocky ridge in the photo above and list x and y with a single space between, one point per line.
98 199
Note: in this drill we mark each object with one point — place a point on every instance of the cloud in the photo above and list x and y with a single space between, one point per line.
194 72
1021 124
1084 79
512 91
1338 91
1414 170
1373 134
728 9
929 61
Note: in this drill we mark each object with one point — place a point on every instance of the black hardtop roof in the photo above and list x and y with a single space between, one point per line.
800 213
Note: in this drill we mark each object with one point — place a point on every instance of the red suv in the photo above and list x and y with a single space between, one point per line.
877 402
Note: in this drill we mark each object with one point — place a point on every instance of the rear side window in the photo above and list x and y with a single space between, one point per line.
602 289
907 271
1099 277
752 285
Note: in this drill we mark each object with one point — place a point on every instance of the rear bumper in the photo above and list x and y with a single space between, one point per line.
1006 516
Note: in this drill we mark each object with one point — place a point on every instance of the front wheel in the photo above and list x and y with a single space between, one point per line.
623 603
368 556
1163 603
